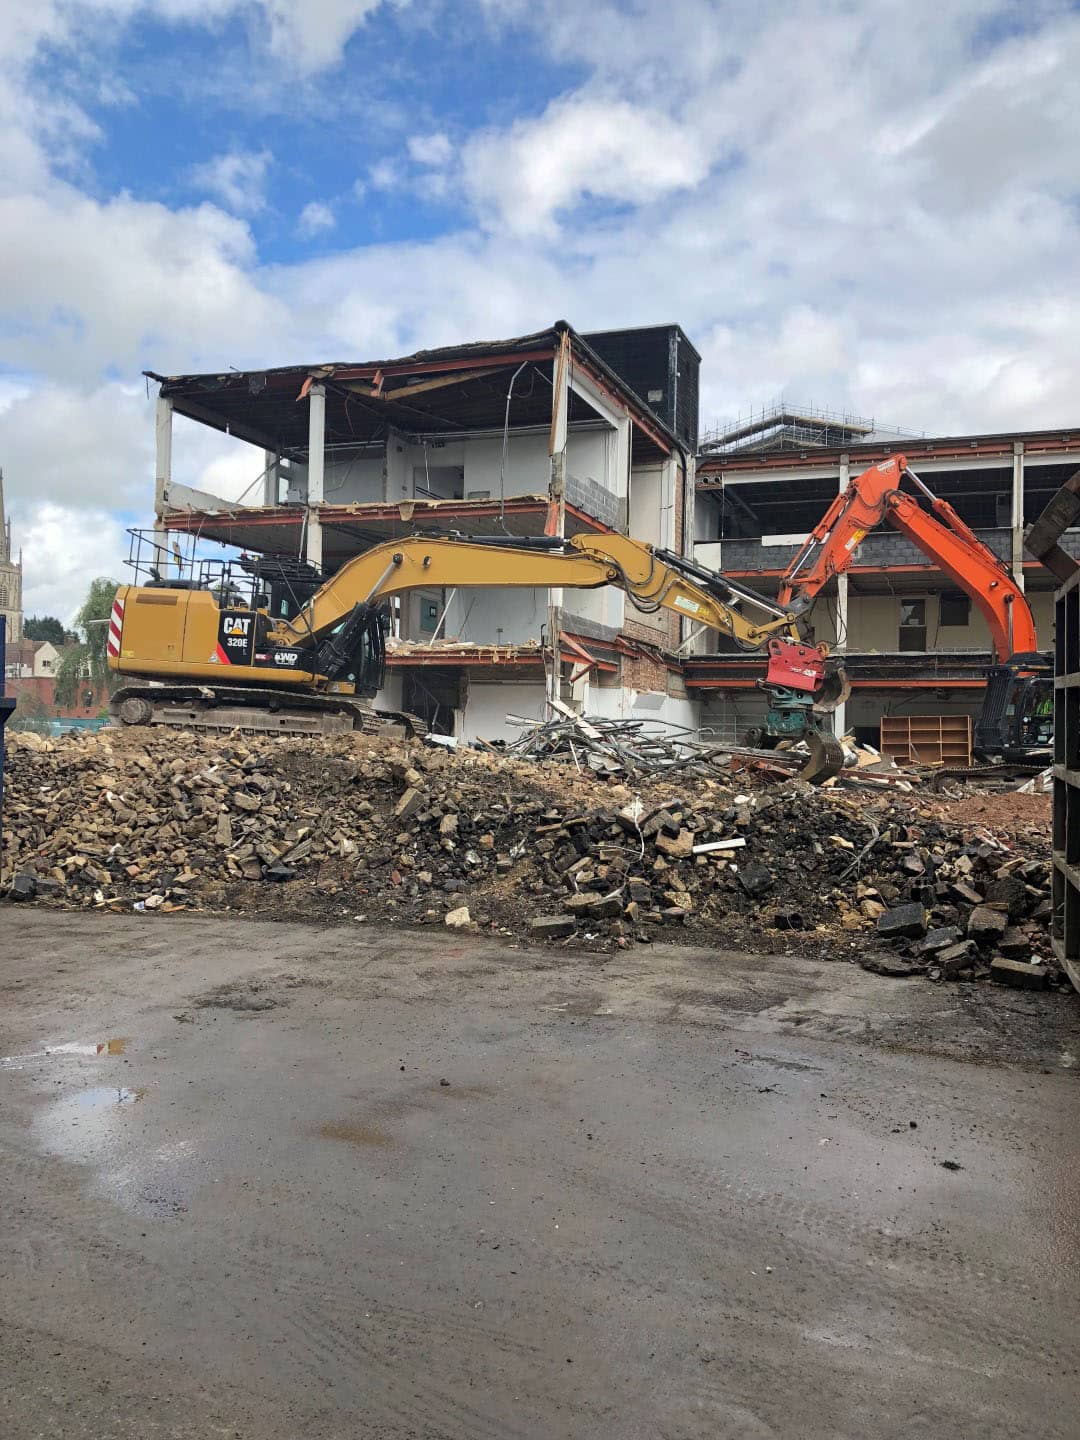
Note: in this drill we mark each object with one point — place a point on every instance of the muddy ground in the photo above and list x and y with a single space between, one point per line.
276 1180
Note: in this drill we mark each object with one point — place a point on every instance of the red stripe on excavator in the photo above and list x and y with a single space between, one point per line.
116 621
221 655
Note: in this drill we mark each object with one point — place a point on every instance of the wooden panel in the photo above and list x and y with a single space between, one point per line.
927 739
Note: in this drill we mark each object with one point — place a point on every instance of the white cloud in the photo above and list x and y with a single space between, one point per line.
89 448
305 37
433 150
237 178
316 217
219 464
92 285
384 175
63 550
313 35
607 148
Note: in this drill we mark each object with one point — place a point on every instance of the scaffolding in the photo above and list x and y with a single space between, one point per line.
782 425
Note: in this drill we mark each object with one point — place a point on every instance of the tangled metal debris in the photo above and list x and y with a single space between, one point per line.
625 748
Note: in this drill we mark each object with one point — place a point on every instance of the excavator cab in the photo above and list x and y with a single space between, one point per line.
1016 723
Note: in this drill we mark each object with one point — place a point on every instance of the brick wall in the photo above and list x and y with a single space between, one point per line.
642 672
597 501
884 547
655 634
42 689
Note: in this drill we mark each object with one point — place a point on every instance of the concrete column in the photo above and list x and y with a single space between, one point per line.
397 469
689 505
315 471
270 477
840 713
622 469
1018 513
162 474
560 410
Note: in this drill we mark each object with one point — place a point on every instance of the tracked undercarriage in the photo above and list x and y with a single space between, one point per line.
256 709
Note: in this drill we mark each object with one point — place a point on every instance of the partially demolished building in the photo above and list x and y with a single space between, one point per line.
558 433
538 435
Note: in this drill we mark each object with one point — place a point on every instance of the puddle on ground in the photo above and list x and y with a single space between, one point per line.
116 1046
85 1123
131 1164
355 1132
101 1097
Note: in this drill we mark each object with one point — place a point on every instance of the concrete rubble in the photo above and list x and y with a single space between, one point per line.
351 827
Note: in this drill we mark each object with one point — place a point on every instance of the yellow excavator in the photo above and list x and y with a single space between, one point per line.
266 644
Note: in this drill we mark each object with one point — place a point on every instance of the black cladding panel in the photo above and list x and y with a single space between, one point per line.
662 367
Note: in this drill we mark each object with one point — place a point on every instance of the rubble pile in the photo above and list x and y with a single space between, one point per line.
355 827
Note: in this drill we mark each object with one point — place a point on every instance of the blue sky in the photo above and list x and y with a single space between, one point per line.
336 139
863 204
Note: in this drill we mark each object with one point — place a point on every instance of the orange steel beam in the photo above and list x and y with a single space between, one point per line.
828 459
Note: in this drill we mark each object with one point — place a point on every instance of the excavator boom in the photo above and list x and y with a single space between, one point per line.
582 562
1011 721
939 533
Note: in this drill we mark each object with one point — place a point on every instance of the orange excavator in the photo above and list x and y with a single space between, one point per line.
1014 724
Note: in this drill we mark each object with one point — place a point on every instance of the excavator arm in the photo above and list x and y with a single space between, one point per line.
651 579
939 533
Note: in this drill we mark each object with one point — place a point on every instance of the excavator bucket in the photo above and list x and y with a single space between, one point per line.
834 689
826 758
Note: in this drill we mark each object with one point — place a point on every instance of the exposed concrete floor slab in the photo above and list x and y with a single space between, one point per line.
663 1194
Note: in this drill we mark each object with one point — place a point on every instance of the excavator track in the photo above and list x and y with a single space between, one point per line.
1004 771
256 712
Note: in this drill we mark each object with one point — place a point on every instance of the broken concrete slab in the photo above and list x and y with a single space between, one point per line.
409 803
986 925
1018 973
552 927
1009 893
954 958
23 887
939 939
903 922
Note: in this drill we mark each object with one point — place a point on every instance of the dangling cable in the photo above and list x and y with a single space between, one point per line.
505 445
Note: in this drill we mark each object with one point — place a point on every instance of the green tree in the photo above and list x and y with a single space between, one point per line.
85 666
44 627
31 713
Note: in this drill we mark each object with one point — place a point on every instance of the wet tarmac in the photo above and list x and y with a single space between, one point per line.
351 1183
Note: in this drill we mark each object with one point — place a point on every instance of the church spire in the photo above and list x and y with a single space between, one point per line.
5 527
